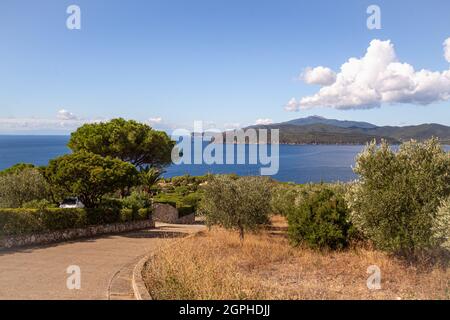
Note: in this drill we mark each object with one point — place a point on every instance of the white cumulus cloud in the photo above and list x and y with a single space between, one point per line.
319 75
447 49
264 121
156 120
292 105
376 78
66 115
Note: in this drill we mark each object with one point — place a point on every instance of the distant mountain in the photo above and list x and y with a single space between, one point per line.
318 130
331 122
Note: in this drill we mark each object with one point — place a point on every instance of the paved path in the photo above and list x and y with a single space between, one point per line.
41 272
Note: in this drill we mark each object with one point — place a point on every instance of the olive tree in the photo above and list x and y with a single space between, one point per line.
21 185
395 201
236 203
127 140
441 225
89 176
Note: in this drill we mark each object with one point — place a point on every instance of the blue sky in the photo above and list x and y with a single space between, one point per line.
222 61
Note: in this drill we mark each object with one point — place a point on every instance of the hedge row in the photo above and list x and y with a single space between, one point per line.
165 201
26 221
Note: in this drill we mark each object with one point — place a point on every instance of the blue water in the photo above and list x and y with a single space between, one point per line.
300 164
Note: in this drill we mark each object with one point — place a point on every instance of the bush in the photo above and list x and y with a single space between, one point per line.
283 198
136 200
21 186
17 168
134 214
192 199
237 203
39 204
178 200
320 220
166 201
441 225
395 201
26 221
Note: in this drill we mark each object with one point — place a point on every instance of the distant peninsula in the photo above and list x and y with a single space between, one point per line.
319 130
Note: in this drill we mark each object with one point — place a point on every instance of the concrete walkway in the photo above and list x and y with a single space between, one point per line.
41 272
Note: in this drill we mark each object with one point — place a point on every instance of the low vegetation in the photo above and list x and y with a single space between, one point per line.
26 221
214 265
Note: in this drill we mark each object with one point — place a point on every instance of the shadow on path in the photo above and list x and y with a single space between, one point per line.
157 232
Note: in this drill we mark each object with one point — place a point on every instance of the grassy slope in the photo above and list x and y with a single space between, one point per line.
215 266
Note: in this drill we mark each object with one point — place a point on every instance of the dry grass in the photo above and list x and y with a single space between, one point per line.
214 265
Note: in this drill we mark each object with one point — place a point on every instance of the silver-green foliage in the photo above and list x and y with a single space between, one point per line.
441 225
237 203
23 186
395 201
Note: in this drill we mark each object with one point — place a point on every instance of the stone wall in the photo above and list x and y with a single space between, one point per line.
71 234
189 219
166 213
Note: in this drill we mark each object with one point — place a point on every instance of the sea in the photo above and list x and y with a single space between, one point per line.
297 163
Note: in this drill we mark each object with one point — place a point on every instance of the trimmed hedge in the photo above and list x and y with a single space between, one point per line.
164 201
178 199
26 221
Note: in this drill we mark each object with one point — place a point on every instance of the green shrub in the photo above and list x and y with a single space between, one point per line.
320 220
137 200
179 200
17 168
143 214
237 203
111 203
26 221
441 225
39 204
395 201
21 186
166 201
127 215
192 199
283 198
183 191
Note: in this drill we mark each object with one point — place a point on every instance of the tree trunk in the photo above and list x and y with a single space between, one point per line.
241 234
